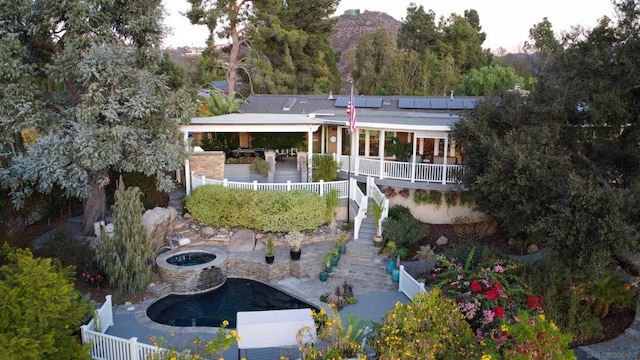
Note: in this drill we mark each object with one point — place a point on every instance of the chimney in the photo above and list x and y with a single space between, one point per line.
330 96
451 98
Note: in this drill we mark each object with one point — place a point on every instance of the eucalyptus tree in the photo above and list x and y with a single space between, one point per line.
83 80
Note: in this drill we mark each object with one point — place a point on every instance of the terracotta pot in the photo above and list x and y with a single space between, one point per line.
378 241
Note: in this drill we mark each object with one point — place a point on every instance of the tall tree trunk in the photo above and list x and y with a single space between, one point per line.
94 206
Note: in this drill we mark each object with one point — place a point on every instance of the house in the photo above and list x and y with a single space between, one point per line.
420 125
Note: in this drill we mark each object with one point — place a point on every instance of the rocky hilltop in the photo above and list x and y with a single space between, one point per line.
351 25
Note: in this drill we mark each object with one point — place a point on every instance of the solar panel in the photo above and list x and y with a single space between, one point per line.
455 104
341 102
469 104
360 102
438 103
406 103
289 104
374 103
423 103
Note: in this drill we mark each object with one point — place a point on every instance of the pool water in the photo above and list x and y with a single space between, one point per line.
212 307
191 259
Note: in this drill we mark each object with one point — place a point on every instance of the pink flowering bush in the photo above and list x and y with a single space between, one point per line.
486 294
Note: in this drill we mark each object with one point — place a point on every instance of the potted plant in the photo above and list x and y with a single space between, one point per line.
335 257
270 247
390 250
327 261
400 253
376 211
295 242
342 243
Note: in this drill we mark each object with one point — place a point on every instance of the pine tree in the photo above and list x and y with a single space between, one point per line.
124 256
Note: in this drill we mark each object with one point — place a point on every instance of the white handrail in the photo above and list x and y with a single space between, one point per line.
408 285
361 200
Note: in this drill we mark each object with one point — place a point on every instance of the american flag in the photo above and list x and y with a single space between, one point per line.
351 111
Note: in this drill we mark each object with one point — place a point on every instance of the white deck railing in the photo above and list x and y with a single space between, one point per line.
321 188
408 285
108 347
386 169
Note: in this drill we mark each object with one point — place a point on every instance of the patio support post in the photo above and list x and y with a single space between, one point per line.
381 150
444 161
187 166
413 158
323 139
309 153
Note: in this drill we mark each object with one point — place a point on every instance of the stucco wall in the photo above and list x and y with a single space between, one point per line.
444 214
208 163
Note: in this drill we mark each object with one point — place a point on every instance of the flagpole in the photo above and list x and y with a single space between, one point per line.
349 165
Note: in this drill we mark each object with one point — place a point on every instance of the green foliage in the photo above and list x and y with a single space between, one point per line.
432 197
67 249
325 167
403 228
41 310
219 103
451 198
563 303
489 80
125 256
101 105
334 338
332 200
260 166
607 291
400 149
271 211
152 197
198 348
535 334
270 245
376 211
436 329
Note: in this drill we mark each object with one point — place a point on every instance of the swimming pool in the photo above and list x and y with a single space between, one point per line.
212 307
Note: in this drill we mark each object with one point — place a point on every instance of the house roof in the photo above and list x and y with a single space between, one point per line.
389 112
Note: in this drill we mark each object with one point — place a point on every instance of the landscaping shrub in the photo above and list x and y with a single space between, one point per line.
405 232
269 211
325 167
260 166
430 327
563 302
403 228
507 317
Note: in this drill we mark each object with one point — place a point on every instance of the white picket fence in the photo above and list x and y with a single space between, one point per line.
108 347
321 188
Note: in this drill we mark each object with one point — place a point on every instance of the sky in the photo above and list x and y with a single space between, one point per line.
506 22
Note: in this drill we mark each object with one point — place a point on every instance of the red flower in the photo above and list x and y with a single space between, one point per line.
475 286
499 313
497 285
492 294
533 302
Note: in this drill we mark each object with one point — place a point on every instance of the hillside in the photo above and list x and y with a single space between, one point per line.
350 26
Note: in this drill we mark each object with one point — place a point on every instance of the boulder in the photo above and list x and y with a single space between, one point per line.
442 240
159 224
243 241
